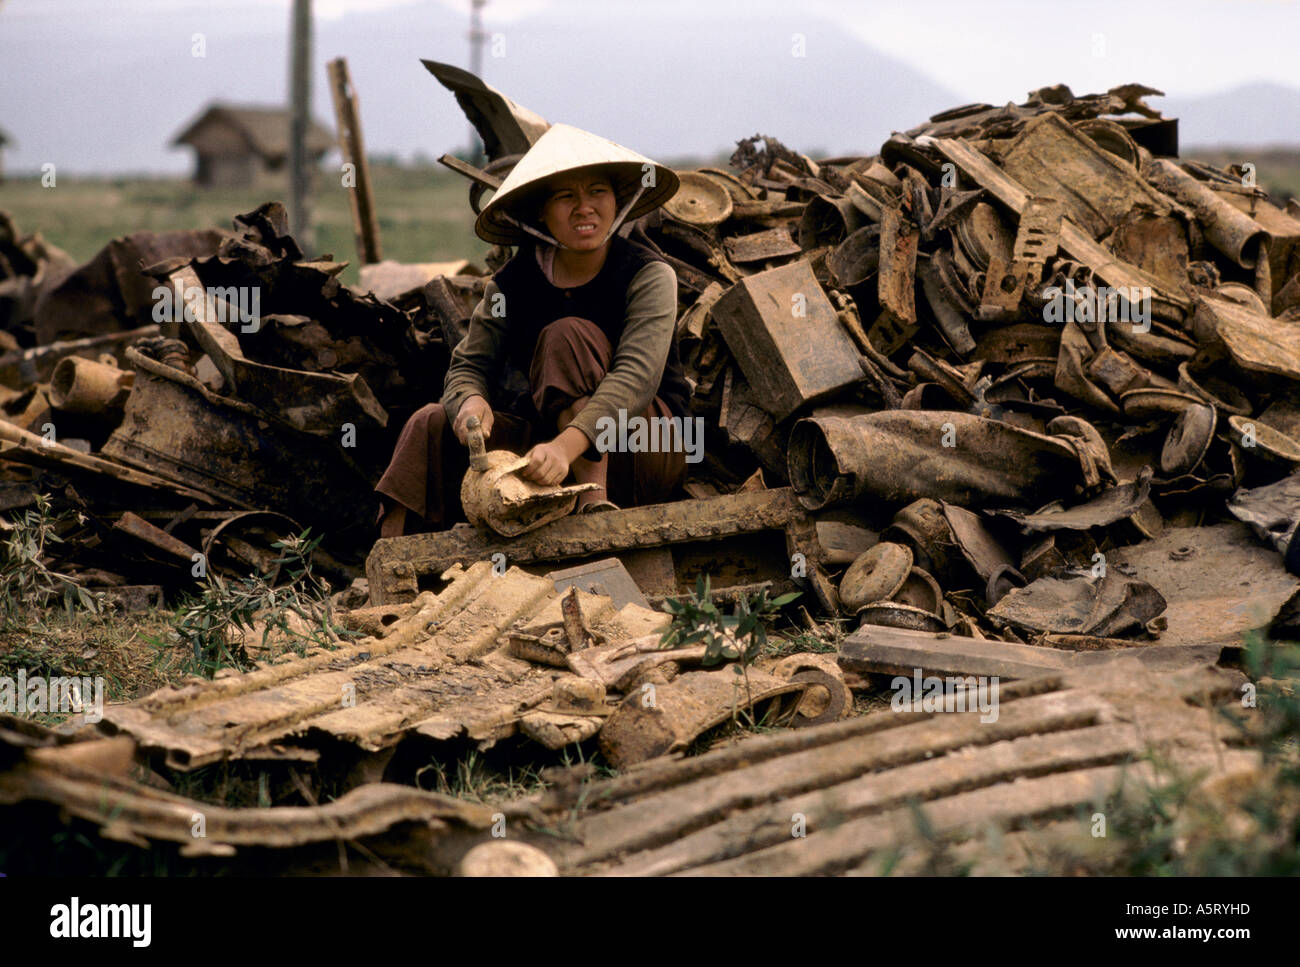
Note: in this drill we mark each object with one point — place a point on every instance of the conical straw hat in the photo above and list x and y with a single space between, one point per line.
565 148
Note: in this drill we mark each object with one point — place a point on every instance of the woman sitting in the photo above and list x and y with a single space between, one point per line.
585 314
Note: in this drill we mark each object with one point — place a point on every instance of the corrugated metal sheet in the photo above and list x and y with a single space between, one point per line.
833 799
438 672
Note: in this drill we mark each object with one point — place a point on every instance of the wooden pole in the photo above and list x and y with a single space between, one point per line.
299 118
347 116
476 175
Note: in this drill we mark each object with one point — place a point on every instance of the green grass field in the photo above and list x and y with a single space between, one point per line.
424 213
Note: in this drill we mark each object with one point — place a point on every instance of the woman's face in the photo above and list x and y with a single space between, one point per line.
579 210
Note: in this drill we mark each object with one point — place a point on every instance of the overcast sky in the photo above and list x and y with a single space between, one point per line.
996 50
94 69
1192 46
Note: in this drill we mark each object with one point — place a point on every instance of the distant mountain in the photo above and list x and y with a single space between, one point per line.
95 95
1255 115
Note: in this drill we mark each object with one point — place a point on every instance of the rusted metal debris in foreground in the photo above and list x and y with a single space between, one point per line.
1008 397
1058 744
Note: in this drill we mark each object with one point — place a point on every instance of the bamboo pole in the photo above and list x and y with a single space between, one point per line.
347 114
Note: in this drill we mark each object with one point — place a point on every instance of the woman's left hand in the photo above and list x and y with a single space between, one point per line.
548 464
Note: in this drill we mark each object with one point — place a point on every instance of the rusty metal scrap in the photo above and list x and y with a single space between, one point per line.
1095 189
785 335
686 707
898 651
900 455
397 565
109 293
505 127
256 365
1013 367
474 661
233 452
1059 742
83 778
407 681
921 287
28 266
729 811
494 495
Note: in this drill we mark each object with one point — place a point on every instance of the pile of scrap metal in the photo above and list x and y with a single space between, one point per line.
204 392
922 409
941 386
492 657
27 264
977 370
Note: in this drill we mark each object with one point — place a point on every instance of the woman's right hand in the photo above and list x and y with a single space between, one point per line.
473 406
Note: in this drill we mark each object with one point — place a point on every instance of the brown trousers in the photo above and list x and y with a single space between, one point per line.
571 358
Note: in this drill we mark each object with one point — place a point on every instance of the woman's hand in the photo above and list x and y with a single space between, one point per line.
548 463
473 406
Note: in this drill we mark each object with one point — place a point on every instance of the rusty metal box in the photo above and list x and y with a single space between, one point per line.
784 333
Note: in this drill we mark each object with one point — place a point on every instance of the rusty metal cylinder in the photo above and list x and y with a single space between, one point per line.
828 220
85 386
857 257
923 528
904 455
1232 232
824 458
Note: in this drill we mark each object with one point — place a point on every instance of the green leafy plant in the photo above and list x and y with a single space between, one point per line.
26 581
739 638
214 622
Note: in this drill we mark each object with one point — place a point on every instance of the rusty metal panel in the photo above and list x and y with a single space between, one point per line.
90 780
608 577
896 282
223 447
1004 285
1254 340
1038 236
775 243
1097 190
1167 302
506 128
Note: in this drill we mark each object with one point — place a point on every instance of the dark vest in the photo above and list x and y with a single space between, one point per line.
602 300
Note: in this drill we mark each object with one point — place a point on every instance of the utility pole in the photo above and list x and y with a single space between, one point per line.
477 37
299 118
